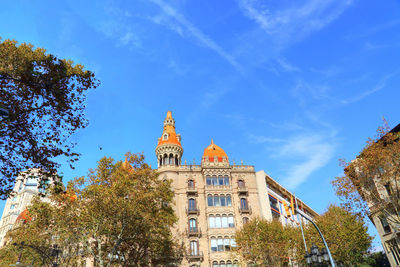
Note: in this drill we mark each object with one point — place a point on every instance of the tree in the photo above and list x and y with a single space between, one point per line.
345 233
42 102
371 182
119 215
269 243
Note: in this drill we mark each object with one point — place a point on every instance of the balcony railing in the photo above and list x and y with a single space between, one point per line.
195 256
192 210
244 210
242 189
193 231
191 190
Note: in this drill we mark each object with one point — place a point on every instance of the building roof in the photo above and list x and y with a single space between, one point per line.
169 135
214 151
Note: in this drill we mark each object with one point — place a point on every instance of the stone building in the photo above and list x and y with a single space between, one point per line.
216 198
25 188
212 200
381 196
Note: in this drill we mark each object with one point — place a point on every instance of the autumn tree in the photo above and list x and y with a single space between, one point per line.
371 182
269 243
119 215
42 103
345 233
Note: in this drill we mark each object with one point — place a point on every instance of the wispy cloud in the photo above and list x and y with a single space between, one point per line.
311 152
184 27
379 86
286 66
293 23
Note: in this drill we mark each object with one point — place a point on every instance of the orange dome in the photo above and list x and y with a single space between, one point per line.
24 216
169 135
214 151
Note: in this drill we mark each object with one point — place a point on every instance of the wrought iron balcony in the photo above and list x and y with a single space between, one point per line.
242 190
193 231
244 210
191 190
192 211
195 256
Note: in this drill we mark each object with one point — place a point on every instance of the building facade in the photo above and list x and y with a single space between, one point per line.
381 196
216 198
25 188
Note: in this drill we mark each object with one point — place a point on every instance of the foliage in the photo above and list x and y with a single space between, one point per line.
44 97
119 215
376 259
371 182
345 233
269 243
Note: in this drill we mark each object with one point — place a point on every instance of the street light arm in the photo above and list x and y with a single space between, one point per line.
320 234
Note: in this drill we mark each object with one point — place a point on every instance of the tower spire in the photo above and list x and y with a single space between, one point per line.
169 149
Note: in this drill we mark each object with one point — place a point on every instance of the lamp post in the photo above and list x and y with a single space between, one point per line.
317 258
55 252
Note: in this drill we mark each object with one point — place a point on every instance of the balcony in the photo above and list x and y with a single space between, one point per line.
197 256
191 190
192 211
242 190
244 210
193 232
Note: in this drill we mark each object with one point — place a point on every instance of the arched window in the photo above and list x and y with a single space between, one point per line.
220 243
210 200
208 180
214 180
245 220
222 264
192 225
233 242
215 264
227 243
214 246
194 248
231 223
171 159
176 160
241 184
192 204
224 221
160 163
228 264
190 184
228 200
235 264
222 200
218 222
165 136
216 201
226 181
243 204
211 221
220 180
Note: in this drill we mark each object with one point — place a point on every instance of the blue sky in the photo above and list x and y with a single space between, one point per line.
287 86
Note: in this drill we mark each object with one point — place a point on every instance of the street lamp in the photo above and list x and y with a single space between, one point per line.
315 257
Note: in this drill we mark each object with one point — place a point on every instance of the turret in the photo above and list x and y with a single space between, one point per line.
169 149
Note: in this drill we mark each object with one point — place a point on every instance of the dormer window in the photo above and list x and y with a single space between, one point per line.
165 136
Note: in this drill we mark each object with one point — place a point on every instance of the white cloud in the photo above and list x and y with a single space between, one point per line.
379 86
182 26
312 152
315 152
296 22
286 66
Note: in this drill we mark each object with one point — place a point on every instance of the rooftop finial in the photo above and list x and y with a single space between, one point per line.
212 141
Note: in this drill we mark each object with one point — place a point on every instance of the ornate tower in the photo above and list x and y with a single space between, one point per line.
169 149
